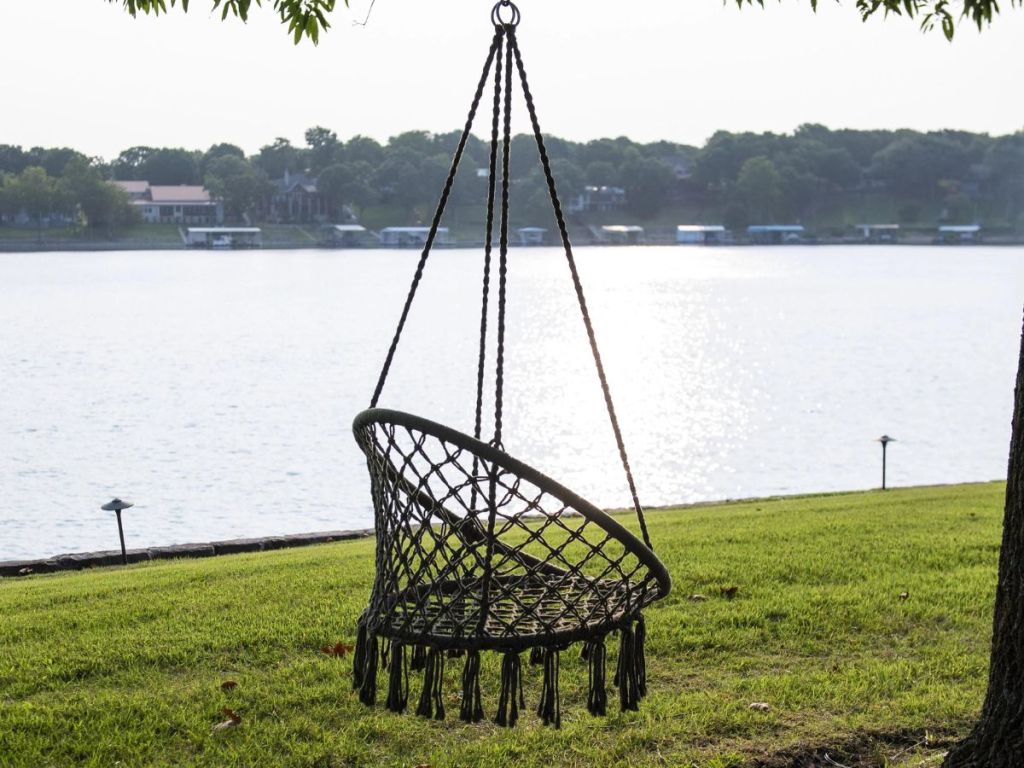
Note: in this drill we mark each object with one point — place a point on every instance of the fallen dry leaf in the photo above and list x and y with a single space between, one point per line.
233 721
904 595
338 649
25 571
760 706
228 685
697 598
730 592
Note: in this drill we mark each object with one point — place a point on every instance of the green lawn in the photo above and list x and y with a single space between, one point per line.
123 667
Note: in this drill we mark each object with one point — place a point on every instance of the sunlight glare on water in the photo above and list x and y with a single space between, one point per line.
216 390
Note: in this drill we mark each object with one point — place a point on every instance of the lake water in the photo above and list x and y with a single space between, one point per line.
216 390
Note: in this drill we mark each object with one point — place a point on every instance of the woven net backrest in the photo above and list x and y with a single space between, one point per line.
475 549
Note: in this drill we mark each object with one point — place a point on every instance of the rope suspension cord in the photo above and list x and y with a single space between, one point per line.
499 377
492 169
488 246
505 32
564 234
436 223
548 568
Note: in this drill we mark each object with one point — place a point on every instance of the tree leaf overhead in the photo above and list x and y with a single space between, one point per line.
303 18
306 19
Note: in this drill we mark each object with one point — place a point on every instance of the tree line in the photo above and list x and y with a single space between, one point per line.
814 175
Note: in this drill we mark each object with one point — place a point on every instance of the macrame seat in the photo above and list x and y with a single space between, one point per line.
550 569
477 551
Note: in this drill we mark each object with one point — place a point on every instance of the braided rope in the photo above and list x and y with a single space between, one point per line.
436 223
499 377
491 171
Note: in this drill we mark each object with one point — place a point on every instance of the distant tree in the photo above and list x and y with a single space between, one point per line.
420 142
324 148
278 157
53 160
218 150
6 202
609 151
127 166
394 175
736 217
914 164
601 173
344 185
172 166
103 205
1004 160
430 176
238 183
160 166
363 149
13 159
35 192
647 182
759 187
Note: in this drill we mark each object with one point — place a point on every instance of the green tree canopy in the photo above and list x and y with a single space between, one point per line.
306 19
241 186
100 203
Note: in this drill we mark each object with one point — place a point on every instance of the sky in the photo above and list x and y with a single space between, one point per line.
83 73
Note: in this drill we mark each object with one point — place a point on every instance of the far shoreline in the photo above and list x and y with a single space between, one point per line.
86 246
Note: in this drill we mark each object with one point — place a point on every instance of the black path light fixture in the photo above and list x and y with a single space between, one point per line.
885 440
117 506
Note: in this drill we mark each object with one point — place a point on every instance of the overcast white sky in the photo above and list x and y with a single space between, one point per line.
82 73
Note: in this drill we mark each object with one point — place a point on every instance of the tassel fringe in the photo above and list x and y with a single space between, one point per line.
419 658
431 700
359 657
640 638
625 670
370 652
472 710
398 680
597 695
550 709
368 683
510 699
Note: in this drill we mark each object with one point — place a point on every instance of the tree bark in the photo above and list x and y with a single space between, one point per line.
997 740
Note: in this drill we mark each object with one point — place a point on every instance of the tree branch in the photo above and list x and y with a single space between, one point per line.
933 14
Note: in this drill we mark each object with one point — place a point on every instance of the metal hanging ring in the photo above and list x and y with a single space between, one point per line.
496 14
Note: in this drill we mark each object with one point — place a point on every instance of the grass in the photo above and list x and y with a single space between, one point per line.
124 666
140 234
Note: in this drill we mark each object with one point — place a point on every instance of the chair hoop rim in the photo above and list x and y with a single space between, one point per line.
491 454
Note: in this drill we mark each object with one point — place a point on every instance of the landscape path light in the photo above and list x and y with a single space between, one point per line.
116 506
885 440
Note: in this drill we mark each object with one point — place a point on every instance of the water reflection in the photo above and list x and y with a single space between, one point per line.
217 390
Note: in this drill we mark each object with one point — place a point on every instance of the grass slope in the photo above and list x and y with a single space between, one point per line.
124 666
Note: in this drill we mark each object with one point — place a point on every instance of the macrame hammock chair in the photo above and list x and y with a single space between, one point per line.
475 550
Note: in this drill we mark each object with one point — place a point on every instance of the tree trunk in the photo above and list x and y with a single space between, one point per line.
997 741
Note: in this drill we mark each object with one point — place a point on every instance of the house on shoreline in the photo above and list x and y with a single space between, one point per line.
297 200
173 204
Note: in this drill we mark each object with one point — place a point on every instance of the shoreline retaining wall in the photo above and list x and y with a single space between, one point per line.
82 560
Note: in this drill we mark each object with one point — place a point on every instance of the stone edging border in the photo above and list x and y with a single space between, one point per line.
79 561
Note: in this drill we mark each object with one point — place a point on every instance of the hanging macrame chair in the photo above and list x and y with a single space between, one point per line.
477 551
